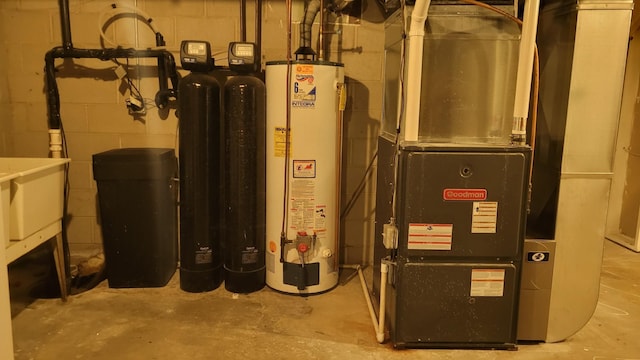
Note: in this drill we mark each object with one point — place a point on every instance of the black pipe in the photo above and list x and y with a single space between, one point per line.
53 97
162 96
243 20
259 30
65 24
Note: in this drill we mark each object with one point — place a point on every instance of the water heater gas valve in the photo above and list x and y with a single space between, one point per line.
305 242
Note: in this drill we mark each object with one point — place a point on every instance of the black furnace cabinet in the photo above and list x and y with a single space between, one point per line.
454 277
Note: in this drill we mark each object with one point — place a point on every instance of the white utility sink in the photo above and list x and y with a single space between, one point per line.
32 194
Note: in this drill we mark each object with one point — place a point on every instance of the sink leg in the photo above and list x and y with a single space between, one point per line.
58 257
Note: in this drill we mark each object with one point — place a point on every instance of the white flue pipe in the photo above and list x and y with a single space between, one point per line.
525 69
414 69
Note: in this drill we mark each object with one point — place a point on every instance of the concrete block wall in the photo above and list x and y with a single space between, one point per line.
93 108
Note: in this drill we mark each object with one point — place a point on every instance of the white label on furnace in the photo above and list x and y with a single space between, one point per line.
484 218
430 236
487 282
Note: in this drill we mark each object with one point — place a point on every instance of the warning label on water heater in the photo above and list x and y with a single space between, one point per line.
304 169
280 141
487 282
302 205
304 87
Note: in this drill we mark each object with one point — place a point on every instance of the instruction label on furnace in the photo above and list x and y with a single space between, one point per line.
485 217
304 87
430 236
487 282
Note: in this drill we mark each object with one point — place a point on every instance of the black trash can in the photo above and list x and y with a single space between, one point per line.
137 200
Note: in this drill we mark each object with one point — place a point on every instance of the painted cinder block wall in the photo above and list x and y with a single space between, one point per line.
93 108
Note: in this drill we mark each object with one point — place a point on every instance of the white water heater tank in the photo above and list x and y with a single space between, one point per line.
305 260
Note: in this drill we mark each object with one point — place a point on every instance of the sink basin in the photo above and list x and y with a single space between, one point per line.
32 194
5 195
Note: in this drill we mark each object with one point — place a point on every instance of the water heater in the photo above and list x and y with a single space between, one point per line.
303 175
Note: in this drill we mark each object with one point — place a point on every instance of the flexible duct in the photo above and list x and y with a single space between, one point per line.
310 12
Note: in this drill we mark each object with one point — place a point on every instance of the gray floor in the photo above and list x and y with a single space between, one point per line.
167 323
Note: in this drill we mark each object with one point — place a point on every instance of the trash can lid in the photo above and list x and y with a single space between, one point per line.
134 163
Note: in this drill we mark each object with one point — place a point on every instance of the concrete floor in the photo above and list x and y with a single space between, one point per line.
167 323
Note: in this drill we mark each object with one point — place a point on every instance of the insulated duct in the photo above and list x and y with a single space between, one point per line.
310 12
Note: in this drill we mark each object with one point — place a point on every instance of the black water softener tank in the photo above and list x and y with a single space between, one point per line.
245 160
199 112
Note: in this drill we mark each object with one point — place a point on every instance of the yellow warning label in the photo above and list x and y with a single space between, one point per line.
304 69
280 141
342 96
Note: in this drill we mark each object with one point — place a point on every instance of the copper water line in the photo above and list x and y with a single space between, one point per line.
321 33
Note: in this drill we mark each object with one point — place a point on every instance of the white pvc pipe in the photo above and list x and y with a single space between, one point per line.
414 69
55 143
378 323
384 270
525 68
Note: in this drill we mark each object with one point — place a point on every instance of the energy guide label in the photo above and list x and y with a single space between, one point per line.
487 282
430 236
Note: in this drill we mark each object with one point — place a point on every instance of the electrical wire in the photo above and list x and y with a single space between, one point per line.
116 10
358 191
65 208
285 212
133 89
396 141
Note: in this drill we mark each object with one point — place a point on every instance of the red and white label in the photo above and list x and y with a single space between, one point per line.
430 236
485 217
464 194
487 282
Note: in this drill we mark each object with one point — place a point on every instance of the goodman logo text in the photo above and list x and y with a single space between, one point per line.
464 194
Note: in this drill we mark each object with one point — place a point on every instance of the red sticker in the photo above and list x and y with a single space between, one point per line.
464 194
